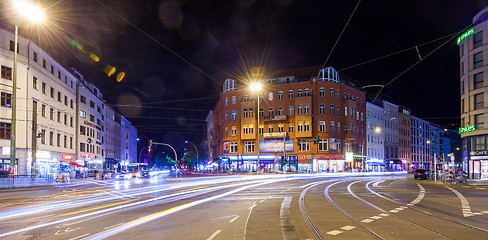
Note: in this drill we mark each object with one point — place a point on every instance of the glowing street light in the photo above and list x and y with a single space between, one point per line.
33 13
256 87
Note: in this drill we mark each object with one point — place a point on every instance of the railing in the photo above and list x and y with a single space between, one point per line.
19 181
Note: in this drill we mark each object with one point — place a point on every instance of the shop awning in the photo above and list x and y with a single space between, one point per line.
75 164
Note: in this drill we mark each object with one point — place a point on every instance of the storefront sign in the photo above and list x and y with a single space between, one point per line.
349 157
479 153
274 135
275 146
330 157
67 157
465 35
5 150
226 147
467 129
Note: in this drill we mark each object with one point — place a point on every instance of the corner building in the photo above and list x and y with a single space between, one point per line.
310 120
473 49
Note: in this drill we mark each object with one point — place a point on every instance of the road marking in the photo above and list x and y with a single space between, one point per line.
376 183
393 211
232 220
334 232
384 214
118 224
399 209
214 234
348 227
262 200
95 208
287 226
367 220
84 235
419 197
464 202
375 217
306 185
67 230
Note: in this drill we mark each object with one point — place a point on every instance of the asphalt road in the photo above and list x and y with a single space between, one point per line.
249 207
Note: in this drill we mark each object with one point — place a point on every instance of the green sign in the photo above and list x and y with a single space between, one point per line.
467 129
465 35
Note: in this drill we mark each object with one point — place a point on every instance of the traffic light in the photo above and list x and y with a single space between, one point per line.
284 160
316 139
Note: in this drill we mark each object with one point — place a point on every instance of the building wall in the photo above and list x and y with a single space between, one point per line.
375 141
404 145
420 134
391 132
112 136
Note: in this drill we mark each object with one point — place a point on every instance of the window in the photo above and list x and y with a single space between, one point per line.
331 126
59 116
479 121
6 99
251 112
261 129
59 96
34 82
5 130
6 72
280 127
331 92
82 114
66 119
290 94
244 129
248 147
322 108
251 129
300 92
478 60
35 57
226 101
270 128
233 147
43 110
479 101
280 95
83 99
478 80
338 110
306 108
59 75
92 104
331 109
270 96
338 95
51 114
44 63
300 126
234 114
52 92
477 40
321 92
226 116
290 110
244 113
322 126
66 79
52 69
261 112
44 87
65 141
306 126
82 147
43 136
71 121
323 145
51 138
234 130
71 103
307 92
280 111
58 140
338 127
345 111
71 142
66 100
92 118
299 109
226 131
270 112
303 145
12 46
233 99
290 128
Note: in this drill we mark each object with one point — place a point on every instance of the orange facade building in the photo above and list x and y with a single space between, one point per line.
310 120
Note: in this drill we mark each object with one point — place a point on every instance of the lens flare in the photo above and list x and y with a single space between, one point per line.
109 70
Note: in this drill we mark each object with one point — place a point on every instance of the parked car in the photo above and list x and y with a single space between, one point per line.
421 173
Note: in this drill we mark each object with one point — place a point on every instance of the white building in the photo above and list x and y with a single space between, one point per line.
420 134
391 136
375 137
128 141
45 109
112 138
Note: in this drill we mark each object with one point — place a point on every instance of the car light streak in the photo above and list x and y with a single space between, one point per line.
152 217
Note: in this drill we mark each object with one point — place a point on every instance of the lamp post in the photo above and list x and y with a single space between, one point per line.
256 88
376 130
141 153
196 149
35 14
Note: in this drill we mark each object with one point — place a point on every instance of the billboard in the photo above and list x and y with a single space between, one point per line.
275 145
226 147
333 144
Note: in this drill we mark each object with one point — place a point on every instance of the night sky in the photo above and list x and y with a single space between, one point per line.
176 54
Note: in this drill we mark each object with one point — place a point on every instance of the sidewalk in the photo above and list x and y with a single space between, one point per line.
29 182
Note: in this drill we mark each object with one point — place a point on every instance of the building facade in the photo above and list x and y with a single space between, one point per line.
111 138
392 162
404 146
375 138
473 49
419 135
128 141
310 120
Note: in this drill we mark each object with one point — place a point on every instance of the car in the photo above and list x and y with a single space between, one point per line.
143 174
123 175
421 174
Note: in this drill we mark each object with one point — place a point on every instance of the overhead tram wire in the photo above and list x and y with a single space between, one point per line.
340 35
171 101
158 42
420 60
397 52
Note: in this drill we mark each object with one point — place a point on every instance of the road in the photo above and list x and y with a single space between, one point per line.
287 207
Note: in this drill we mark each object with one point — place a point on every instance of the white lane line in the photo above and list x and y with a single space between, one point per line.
334 232
376 183
306 185
287 226
399 209
347 228
84 235
262 200
464 202
232 220
384 214
367 220
375 217
116 225
393 211
214 234
419 197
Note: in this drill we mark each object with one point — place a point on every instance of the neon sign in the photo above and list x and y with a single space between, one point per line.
467 129
67 157
465 35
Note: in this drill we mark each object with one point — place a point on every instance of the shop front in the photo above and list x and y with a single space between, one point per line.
375 165
478 165
329 163
246 163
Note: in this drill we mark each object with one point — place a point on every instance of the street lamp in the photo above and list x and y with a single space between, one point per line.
35 14
256 87
196 149
376 130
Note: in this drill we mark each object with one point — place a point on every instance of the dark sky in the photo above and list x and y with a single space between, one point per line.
149 39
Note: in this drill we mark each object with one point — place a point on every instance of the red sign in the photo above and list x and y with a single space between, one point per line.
330 157
67 157
302 157
86 155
